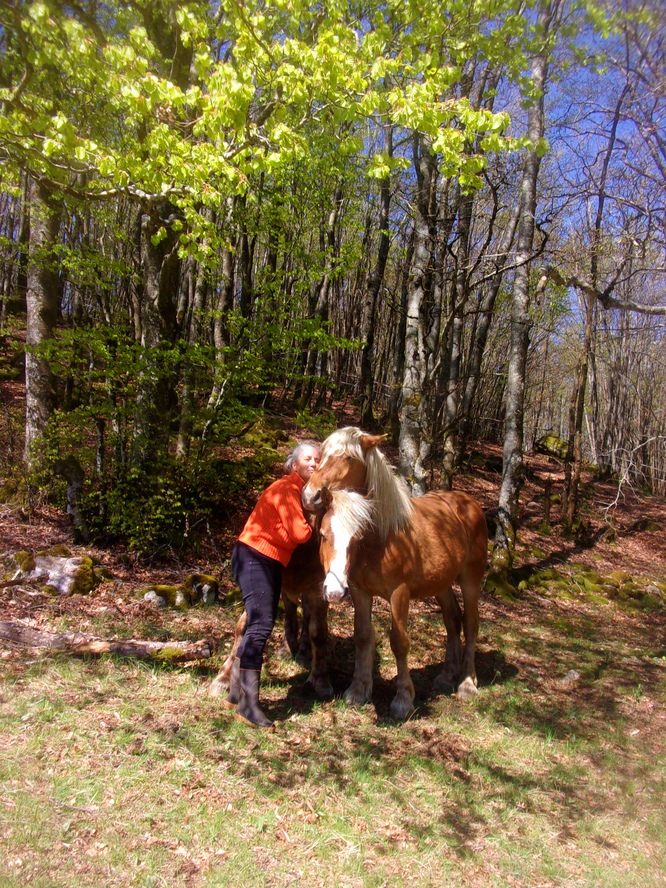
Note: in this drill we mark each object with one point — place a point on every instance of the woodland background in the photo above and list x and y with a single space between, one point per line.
451 216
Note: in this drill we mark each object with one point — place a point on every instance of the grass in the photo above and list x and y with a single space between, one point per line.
117 772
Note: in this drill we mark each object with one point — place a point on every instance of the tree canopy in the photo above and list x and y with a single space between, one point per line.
453 212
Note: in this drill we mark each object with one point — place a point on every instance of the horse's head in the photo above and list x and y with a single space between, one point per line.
342 466
349 516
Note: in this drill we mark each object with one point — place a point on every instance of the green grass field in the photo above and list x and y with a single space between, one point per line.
113 772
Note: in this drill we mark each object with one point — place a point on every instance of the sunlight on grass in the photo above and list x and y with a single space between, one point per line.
118 771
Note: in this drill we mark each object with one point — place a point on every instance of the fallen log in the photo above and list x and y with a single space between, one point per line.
78 643
22 581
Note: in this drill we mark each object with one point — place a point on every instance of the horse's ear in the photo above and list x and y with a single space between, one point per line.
369 441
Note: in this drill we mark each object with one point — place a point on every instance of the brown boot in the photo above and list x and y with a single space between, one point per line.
233 696
248 703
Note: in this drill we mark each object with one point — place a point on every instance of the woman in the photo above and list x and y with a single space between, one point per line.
276 526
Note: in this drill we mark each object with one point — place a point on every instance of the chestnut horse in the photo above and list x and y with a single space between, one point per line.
377 540
302 582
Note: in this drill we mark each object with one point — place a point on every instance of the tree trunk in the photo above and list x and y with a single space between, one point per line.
320 309
23 248
574 459
399 348
416 426
155 399
512 471
42 297
459 299
78 643
196 317
371 294
245 262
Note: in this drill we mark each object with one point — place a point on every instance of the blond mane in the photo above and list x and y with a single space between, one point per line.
355 513
393 504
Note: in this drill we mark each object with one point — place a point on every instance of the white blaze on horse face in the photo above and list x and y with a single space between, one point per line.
335 584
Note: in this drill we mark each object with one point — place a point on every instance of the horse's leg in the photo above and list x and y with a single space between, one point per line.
403 702
470 584
220 684
289 646
447 680
360 690
304 653
317 624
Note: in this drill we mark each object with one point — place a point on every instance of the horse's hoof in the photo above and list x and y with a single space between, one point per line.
356 696
467 689
218 687
323 691
400 710
445 682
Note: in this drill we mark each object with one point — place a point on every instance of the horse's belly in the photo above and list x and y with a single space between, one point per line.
423 578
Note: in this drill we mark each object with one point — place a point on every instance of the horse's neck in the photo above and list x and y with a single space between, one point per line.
393 502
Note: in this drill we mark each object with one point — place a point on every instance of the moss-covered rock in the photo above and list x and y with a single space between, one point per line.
591 578
645 525
150 596
494 463
171 596
61 574
25 561
83 579
552 445
201 588
197 589
103 573
580 582
233 597
59 551
548 575
476 460
618 578
498 585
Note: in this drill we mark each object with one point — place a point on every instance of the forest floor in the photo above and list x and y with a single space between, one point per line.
117 772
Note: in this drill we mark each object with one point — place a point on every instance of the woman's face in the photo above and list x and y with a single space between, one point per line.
306 463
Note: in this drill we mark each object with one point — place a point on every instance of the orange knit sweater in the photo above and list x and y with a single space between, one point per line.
277 524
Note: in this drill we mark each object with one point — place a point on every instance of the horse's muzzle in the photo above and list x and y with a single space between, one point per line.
334 590
316 500
335 596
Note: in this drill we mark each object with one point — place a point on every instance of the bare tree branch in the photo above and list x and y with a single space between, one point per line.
550 273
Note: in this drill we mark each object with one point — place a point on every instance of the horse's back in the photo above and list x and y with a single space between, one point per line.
448 508
450 526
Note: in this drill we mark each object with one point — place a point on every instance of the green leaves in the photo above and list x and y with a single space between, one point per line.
104 100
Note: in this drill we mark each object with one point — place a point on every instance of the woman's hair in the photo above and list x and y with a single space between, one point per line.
296 454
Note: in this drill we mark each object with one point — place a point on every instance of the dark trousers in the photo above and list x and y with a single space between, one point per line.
260 581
